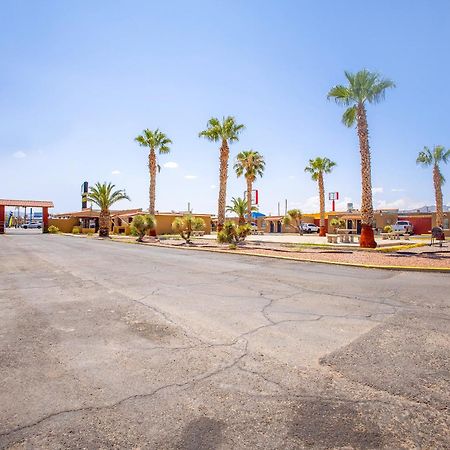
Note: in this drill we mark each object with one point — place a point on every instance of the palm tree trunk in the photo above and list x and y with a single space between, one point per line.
367 238
104 223
322 231
152 190
223 176
249 199
437 180
152 173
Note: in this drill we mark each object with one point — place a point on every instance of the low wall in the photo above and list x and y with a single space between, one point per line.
64 225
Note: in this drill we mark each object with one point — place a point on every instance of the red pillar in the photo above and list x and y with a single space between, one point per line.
2 219
45 220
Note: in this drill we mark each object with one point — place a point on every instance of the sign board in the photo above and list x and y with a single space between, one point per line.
255 196
333 196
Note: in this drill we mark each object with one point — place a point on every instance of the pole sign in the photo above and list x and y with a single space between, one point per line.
84 194
255 196
333 196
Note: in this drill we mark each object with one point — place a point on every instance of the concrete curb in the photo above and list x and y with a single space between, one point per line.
289 258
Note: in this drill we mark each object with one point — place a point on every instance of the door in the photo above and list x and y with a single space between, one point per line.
358 227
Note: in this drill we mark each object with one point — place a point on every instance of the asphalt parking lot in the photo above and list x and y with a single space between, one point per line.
110 345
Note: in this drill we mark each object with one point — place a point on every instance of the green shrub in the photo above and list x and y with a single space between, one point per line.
141 224
388 229
293 219
337 223
76 230
52 229
186 225
233 234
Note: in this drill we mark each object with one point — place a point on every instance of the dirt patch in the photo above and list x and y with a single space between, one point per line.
202 434
151 330
330 424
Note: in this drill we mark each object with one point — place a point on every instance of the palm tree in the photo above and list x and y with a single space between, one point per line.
156 141
239 207
104 196
363 87
225 132
433 158
250 164
317 167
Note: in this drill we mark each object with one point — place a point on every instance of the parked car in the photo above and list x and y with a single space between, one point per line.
32 225
403 226
310 228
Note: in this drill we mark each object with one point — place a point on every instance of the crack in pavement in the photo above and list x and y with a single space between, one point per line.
201 377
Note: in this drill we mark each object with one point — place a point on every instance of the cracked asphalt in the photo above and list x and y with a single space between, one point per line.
107 345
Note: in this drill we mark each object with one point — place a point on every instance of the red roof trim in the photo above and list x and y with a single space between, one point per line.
26 203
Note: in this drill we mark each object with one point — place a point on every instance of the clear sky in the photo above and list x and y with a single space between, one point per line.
80 79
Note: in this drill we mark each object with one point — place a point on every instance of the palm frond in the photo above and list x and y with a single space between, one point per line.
349 116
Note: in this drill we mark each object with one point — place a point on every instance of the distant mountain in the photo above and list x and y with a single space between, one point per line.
425 209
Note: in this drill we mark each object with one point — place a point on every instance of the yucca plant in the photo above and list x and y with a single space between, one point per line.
104 196
232 233
186 225
226 132
363 87
141 225
434 158
293 219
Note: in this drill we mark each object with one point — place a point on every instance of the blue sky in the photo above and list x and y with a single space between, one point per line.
79 80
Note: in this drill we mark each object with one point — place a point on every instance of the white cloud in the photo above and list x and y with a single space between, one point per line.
190 177
115 172
19 154
400 203
291 177
213 186
170 165
377 190
398 190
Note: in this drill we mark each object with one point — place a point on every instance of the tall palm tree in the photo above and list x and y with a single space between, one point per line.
363 87
317 167
225 132
250 164
239 207
156 141
434 157
104 196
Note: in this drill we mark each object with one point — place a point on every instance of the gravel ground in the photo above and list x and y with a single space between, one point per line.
421 257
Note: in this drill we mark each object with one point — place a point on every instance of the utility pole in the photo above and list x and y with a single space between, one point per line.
285 207
279 213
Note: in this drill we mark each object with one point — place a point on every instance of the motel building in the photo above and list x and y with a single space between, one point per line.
87 221
422 222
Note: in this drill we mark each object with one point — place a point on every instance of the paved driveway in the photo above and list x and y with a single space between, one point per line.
108 345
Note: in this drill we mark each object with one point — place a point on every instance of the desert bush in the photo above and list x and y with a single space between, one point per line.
52 229
141 225
388 229
76 230
337 223
186 225
293 219
233 234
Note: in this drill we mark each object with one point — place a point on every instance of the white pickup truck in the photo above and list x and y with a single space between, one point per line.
403 226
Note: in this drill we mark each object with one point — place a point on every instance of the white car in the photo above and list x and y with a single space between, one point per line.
310 228
32 225
403 226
